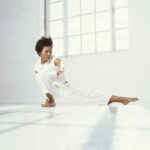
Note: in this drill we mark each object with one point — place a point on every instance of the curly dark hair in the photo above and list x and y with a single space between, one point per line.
43 41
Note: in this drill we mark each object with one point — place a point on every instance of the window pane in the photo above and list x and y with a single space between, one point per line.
74 26
122 17
88 23
58 47
54 13
104 41
102 5
103 21
56 29
87 6
74 45
88 43
73 7
122 39
121 3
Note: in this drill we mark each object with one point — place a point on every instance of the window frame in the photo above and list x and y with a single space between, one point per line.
112 30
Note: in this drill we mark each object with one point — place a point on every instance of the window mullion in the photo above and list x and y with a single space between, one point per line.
46 18
65 28
80 29
95 26
112 5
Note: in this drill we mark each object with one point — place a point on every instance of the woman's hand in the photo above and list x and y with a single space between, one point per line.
60 66
59 71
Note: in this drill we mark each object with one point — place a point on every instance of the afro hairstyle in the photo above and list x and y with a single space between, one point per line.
43 41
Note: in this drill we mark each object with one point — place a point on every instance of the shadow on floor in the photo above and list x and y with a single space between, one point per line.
102 136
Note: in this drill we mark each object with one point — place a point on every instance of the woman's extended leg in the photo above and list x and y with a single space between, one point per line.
47 88
92 96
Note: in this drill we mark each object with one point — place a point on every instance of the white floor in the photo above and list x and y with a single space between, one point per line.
74 127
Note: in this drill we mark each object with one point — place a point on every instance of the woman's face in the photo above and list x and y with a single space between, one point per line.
46 52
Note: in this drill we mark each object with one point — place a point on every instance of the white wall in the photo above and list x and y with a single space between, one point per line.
20 26
123 73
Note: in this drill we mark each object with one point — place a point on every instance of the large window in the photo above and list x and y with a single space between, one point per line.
87 26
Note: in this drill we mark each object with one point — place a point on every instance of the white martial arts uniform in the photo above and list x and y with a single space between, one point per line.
61 89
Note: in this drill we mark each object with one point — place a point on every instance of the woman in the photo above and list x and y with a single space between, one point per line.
50 78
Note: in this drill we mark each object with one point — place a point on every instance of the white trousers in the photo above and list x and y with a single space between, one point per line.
69 92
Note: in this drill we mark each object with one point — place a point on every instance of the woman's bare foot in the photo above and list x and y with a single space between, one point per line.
48 104
126 100
121 99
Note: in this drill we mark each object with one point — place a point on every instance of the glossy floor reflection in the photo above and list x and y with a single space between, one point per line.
74 127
